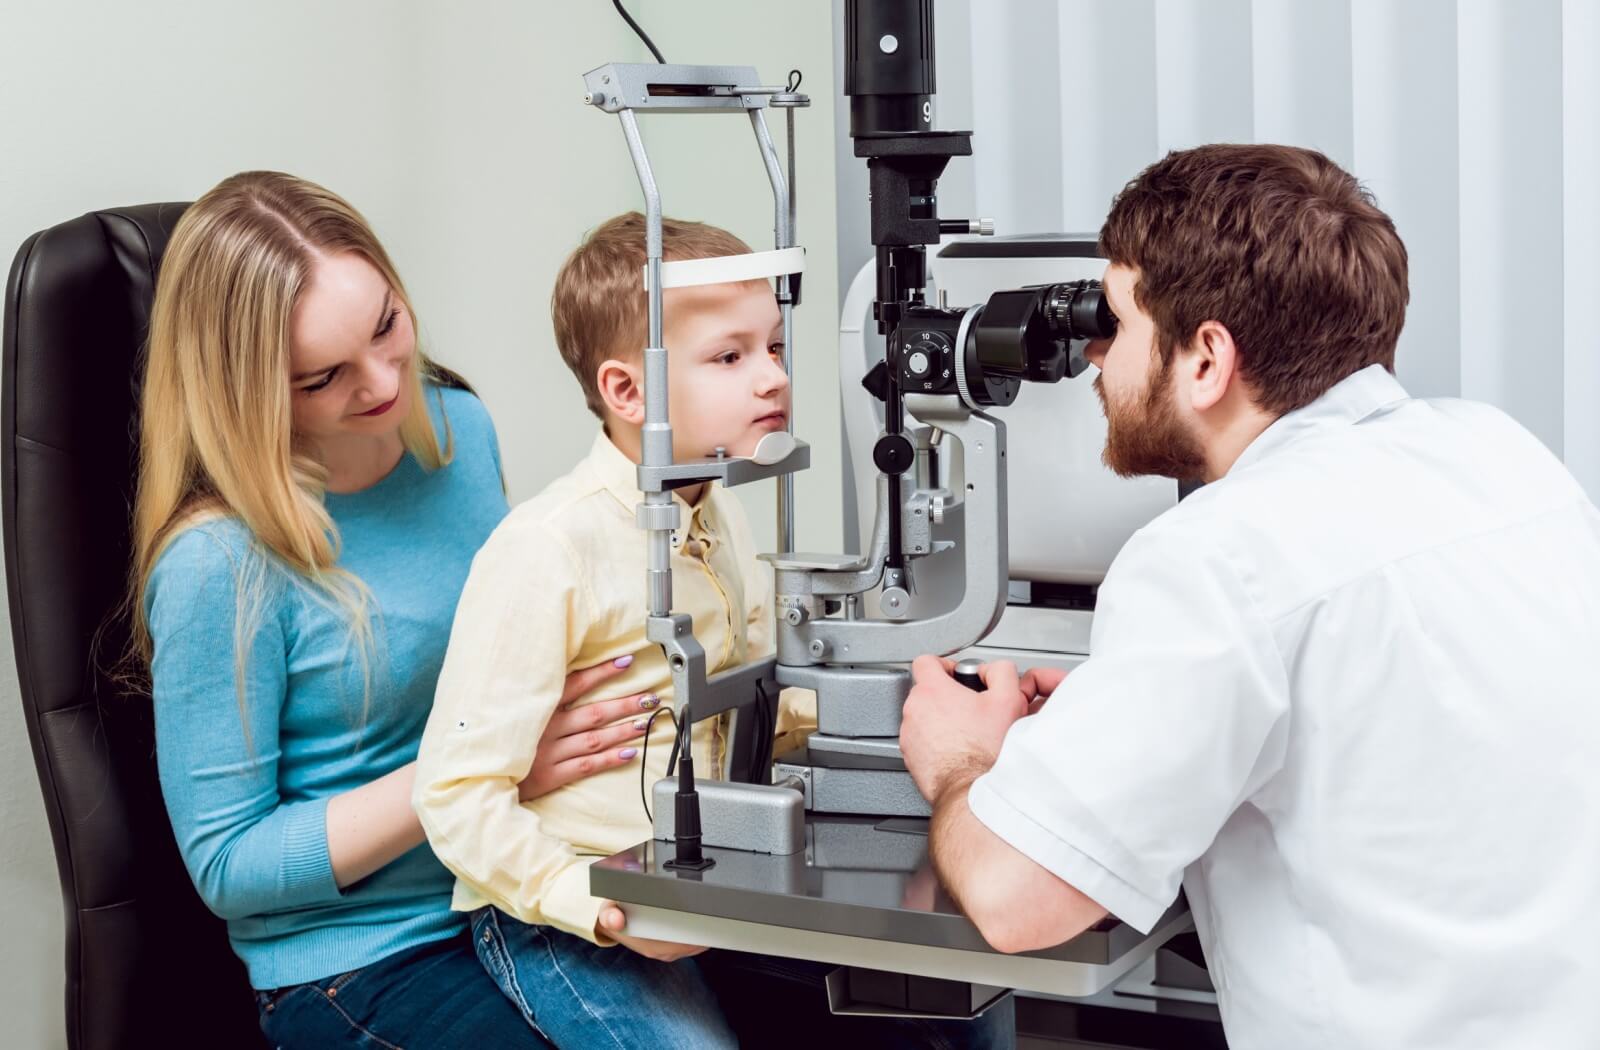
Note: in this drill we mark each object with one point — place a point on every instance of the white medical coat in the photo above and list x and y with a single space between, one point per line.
1347 695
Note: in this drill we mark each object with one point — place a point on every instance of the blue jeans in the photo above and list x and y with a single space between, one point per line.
578 994
432 997
779 1004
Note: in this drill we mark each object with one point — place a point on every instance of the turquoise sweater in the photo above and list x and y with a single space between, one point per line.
249 803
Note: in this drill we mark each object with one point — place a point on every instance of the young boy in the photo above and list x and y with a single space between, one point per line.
561 584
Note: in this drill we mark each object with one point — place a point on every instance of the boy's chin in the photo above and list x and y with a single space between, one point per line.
735 447
739 449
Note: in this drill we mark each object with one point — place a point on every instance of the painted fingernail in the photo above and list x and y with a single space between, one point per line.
623 661
627 752
649 700
641 723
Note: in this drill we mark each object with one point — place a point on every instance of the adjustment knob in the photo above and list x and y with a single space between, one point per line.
893 454
923 356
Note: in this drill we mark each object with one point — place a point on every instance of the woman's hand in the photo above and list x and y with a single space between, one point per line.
579 742
612 922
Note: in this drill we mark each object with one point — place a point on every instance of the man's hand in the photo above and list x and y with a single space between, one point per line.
1039 683
612 922
949 736
947 729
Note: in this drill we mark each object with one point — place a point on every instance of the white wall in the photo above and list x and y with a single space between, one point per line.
458 129
1476 124
482 239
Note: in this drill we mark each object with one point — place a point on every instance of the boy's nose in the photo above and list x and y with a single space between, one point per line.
774 379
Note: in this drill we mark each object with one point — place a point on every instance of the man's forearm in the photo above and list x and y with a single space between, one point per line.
1016 904
956 841
950 843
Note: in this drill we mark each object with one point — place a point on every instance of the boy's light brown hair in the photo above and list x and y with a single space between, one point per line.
599 304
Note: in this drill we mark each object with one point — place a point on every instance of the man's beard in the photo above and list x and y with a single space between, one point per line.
1146 436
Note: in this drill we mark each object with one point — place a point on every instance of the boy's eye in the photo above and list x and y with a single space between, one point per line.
776 348
728 357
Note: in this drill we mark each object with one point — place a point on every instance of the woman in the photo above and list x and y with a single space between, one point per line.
311 492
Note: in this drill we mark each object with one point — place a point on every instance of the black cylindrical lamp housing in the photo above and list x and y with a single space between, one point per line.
889 73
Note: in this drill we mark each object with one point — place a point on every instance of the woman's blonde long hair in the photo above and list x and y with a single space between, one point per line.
215 424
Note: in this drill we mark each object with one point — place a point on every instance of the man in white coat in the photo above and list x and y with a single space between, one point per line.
1344 694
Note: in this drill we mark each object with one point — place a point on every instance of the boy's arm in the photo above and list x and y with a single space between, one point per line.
523 611
797 720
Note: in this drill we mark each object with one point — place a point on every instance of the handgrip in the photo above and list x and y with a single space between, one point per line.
966 673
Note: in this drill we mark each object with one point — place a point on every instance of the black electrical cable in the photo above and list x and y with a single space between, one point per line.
672 756
759 714
642 34
644 755
766 728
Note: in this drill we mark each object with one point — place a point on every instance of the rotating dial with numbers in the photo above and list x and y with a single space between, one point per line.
927 361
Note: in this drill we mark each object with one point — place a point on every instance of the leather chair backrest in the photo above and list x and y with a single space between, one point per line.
147 964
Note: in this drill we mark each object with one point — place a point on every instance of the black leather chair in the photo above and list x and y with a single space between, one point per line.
147 964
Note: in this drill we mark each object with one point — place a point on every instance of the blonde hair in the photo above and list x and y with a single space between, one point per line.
599 304
215 422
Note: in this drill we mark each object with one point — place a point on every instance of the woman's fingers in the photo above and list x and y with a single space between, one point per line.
578 742
600 713
588 740
548 775
585 679
569 770
596 741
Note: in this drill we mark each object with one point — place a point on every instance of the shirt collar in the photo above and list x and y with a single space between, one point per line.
620 477
1349 401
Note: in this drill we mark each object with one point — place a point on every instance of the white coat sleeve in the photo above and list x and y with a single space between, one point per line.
1139 758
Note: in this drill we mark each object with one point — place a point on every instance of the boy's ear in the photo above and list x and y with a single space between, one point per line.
622 390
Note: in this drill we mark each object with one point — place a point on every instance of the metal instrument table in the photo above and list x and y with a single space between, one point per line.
862 894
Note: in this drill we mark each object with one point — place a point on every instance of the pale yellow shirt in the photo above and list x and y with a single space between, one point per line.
560 585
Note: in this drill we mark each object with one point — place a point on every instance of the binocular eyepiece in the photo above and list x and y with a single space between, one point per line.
1079 310
984 353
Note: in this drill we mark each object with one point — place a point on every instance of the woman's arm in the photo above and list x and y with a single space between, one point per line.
371 825
374 824
247 850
